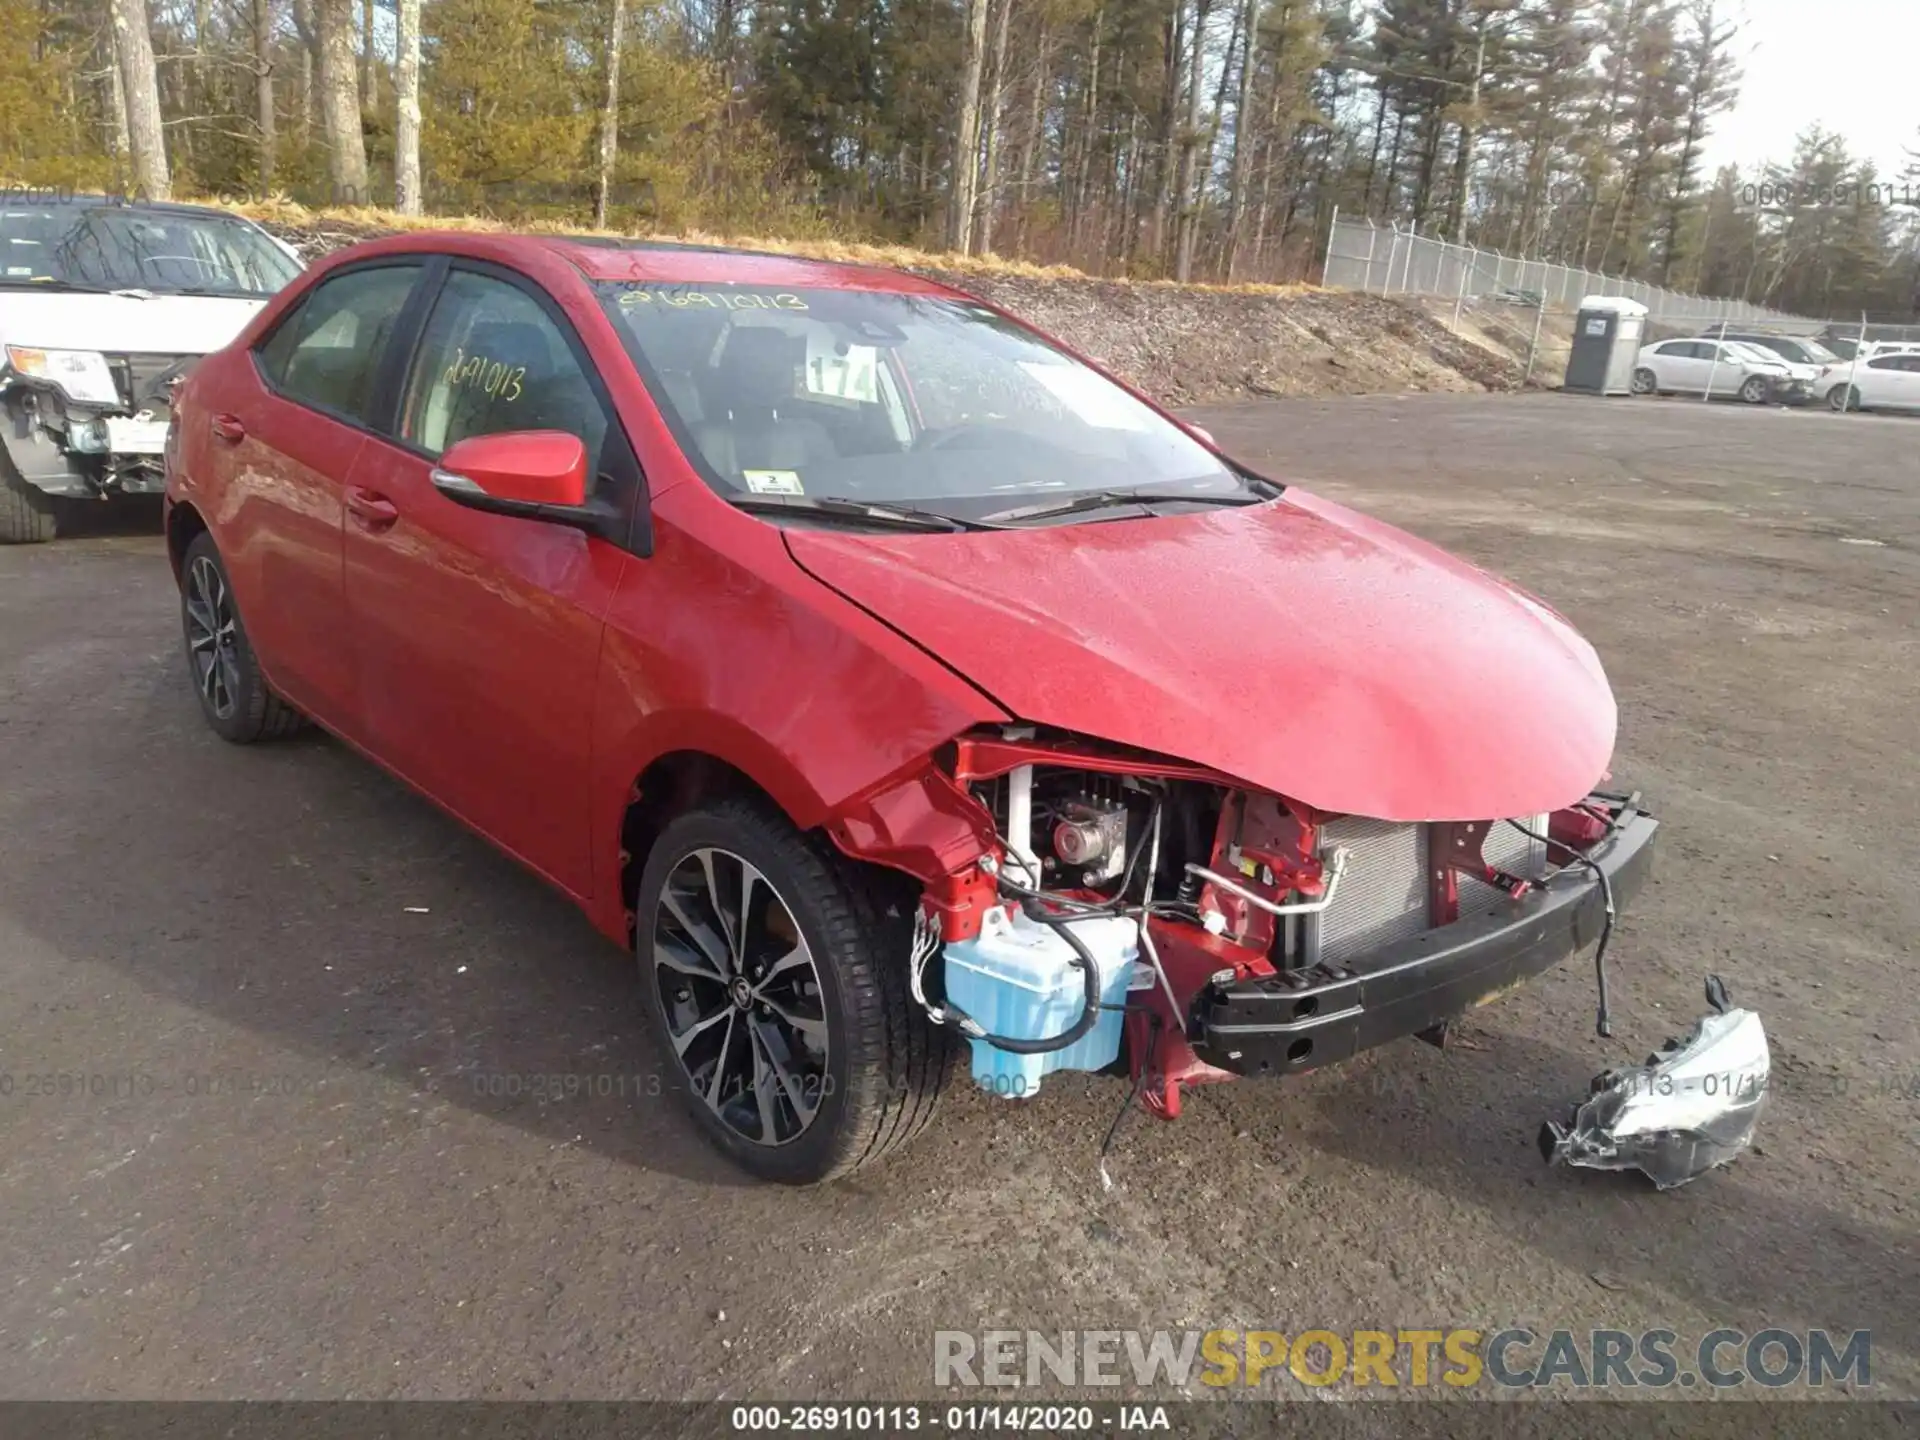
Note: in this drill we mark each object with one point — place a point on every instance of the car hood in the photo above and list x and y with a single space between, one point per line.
122 324
1296 645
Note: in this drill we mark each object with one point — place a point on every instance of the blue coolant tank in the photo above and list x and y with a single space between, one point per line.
1020 978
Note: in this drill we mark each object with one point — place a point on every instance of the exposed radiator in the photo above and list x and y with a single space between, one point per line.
1383 895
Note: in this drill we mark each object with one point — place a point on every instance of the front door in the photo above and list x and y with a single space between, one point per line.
477 636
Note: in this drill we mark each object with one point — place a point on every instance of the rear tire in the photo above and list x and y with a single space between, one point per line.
26 511
234 696
1645 382
840 1029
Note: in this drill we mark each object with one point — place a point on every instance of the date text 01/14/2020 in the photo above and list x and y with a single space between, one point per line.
978 1419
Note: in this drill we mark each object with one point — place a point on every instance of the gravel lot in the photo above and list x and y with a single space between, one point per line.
310 995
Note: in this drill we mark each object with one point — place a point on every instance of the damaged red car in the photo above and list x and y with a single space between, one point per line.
902 691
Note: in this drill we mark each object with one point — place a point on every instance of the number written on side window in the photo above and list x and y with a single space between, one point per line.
491 361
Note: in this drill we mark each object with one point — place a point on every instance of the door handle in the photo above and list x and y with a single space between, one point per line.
372 510
229 428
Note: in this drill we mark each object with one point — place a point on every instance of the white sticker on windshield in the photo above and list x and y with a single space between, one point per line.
845 372
1088 396
773 482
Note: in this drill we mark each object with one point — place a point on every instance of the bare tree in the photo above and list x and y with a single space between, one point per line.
1187 215
308 30
993 121
369 90
610 113
133 46
340 104
263 89
966 141
407 197
118 142
1243 137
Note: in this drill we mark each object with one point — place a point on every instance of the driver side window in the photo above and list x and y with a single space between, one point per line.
492 361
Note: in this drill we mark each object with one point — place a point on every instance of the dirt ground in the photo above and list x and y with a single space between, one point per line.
1188 345
304 1174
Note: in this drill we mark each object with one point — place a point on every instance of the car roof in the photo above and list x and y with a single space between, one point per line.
600 258
26 198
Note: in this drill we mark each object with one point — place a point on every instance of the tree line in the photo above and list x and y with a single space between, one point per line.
1191 139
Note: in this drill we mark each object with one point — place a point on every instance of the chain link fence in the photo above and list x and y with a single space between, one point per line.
1362 256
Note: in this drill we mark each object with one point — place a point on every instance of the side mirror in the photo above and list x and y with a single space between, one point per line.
520 467
1204 436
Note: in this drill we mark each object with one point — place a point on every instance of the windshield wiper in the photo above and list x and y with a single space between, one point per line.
823 507
1139 495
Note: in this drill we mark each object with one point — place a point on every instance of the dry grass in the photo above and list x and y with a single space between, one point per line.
281 211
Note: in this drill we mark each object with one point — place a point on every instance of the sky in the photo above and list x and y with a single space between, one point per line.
1848 64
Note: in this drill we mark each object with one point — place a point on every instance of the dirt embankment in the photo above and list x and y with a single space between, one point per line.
1189 344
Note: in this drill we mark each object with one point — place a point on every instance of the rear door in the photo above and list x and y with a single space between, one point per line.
285 437
477 636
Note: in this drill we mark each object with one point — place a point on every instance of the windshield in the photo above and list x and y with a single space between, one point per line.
114 247
1755 354
896 399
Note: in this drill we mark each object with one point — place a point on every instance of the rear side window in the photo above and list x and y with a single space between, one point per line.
493 360
327 352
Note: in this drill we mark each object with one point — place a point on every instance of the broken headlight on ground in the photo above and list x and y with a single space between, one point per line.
1690 1108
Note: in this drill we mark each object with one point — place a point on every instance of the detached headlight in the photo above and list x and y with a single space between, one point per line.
82 374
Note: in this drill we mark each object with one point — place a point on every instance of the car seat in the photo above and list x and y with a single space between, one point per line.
756 383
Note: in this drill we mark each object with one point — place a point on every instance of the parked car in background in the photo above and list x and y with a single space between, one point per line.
1887 347
1794 349
879 674
1851 347
1887 381
1722 367
104 306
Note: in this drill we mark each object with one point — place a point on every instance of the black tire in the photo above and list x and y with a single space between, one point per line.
885 1063
1645 382
1842 398
1756 391
234 696
26 511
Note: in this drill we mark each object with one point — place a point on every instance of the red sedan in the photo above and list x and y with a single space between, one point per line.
884 675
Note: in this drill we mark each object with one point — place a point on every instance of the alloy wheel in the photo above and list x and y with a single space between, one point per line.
741 996
213 637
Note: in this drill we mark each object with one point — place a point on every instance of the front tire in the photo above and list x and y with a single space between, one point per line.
774 980
1756 390
26 511
234 696
1645 382
1842 398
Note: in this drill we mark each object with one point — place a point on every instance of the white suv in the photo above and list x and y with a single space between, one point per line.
104 305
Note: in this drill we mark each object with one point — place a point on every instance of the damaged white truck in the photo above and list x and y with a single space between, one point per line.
104 306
